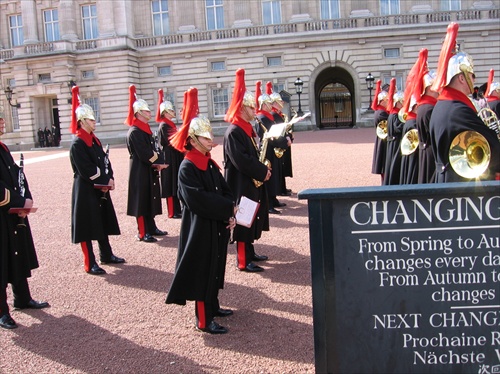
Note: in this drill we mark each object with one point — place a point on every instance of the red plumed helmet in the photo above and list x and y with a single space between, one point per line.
131 99
412 81
447 50
390 98
189 111
375 98
158 111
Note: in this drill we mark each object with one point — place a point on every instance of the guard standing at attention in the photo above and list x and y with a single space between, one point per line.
93 215
144 194
245 172
379 105
165 113
492 95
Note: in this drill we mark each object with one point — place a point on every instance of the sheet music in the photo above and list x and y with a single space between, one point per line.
247 210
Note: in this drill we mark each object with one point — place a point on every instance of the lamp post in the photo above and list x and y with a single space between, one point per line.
8 93
369 83
298 88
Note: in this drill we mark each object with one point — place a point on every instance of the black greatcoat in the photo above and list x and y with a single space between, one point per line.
426 161
409 163
450 118
201 257
286 159
274 183
380 147
173 158
393 155
494 105
144 195
92 218
241 164
17 251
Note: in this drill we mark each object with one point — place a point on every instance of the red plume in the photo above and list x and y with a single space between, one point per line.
447 50
160 100
269 88
418 90
131 100
190 110
238 93
390 95
75 102
490 81
258 92
375 98
413 79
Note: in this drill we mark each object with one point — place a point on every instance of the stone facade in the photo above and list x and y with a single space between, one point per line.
331 56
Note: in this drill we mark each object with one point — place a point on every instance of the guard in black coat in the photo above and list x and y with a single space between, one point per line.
93 215
409 151
146 163
208 216
245 172
380 116
492 95
455 116
164 115
17 251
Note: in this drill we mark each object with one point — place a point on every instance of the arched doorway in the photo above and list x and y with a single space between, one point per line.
334 92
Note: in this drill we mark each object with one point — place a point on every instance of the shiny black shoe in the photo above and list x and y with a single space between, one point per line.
213 328
287 193
224 312
177 216
33 304
277 204
7 322
113 260
257 257
274 211
158 232
96 270
252 268
147 238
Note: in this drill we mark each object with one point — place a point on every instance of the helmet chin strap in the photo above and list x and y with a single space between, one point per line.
197 142
147 117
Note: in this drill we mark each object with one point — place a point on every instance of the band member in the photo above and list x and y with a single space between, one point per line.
455 113
207 218
394 132
144 195
280 117
265 120
379 105
493 94
244 172
93 216
165 113
425 106
17 251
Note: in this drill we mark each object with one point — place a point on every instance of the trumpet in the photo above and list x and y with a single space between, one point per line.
409 142
382 129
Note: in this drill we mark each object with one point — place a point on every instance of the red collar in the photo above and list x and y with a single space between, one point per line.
199 159
411 115
427 99
380 107
449 94
169 122
245 126
142 126
493 98
86 137
267 114
394 110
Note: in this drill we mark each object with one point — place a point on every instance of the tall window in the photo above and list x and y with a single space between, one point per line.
220 101
160 17
51 25
16 30
94 104
399 81
388 7
215 14
89 19
450 5
271 12
330 9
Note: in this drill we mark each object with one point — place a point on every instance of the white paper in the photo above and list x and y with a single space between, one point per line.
247 210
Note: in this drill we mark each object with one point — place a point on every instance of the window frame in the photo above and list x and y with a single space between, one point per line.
158 70
16 30
217 111
326 6
92 21
272 8
211 65
390 7
389 48
214 14
448 5
51 26
269 58
161 26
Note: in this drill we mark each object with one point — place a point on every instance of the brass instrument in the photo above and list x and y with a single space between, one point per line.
490 119
469 154
262 152
409 142
402 115
280 151
382 129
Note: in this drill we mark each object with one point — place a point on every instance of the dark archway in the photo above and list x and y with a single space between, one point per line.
334 93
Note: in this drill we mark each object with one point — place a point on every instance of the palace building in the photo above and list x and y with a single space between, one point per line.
330 50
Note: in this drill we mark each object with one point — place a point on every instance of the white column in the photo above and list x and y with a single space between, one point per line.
67 20
28 9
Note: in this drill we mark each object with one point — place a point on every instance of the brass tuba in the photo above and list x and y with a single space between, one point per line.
469 154
409 142
382 129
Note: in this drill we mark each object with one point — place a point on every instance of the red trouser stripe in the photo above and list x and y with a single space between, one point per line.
141 227
200 310
86 257
241 254
170 206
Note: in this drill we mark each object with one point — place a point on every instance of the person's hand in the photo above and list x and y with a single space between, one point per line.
288 141
28 204
268 175
111 184
160 167
232 223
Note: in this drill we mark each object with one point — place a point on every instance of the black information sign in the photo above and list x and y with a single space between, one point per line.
406 279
